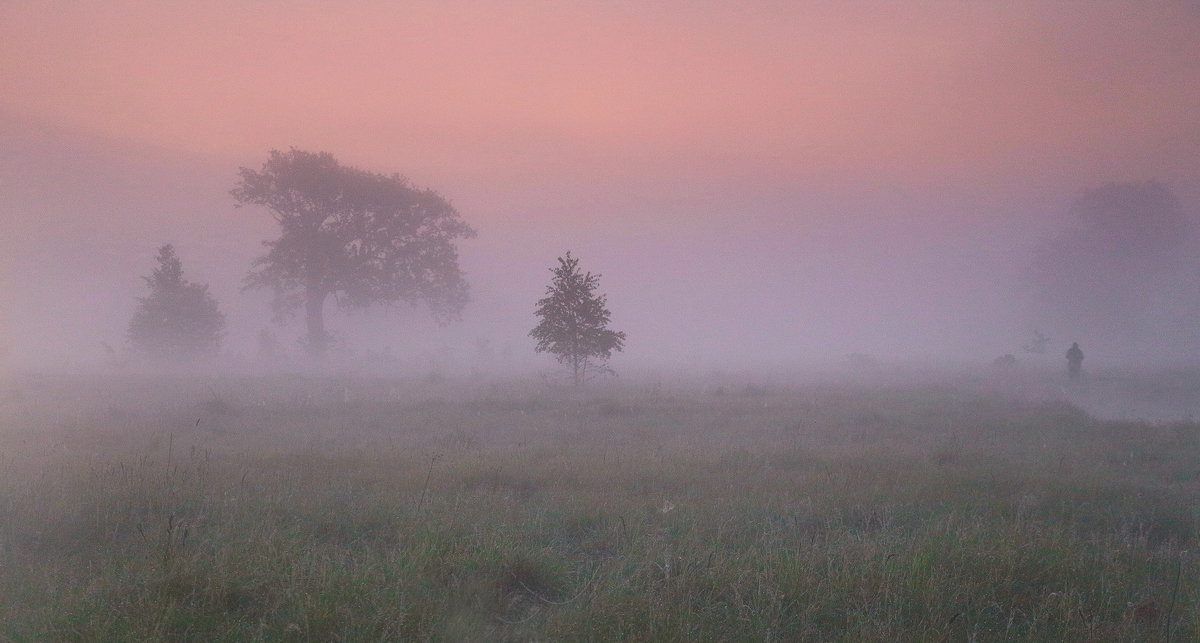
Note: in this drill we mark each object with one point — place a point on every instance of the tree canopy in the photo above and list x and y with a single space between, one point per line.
574 322
179 320
361 237
1121 260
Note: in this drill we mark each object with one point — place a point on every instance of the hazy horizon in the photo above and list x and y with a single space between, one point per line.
777 184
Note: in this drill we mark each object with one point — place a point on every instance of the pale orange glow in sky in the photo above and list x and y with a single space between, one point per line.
516 89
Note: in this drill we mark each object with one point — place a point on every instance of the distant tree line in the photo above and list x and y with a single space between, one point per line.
362 239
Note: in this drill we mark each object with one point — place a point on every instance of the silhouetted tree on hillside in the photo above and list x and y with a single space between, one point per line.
574 322
360 237
179 320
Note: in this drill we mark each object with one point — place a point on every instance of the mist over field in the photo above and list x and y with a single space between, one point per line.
782 227
599 321
801 279
732 289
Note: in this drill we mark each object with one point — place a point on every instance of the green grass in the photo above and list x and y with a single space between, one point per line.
364 509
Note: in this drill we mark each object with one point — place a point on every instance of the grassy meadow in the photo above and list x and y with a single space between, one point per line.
362 508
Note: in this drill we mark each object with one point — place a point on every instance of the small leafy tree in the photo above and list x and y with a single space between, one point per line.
179 320
574 322
359 237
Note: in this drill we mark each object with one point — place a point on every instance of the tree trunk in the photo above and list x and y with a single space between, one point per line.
314 317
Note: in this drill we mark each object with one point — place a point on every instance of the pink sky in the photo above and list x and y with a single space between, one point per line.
934 92
901 132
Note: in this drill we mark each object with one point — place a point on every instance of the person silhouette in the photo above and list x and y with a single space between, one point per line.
1074 361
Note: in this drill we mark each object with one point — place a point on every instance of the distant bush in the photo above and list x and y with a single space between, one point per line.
179 320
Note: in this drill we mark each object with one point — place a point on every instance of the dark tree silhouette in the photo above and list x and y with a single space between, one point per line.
360 237
179 320
574 322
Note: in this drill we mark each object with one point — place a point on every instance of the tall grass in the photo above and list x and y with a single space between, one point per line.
324 509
